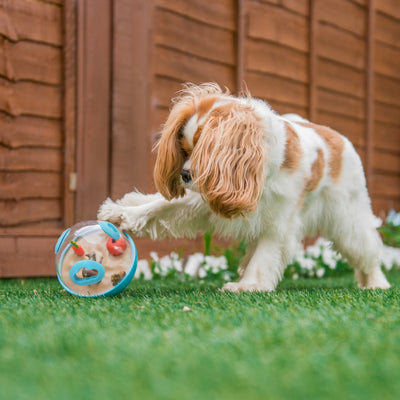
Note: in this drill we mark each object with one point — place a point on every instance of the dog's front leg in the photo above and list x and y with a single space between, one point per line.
264 268
155 217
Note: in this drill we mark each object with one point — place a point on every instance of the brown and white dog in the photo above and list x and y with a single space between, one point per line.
232 165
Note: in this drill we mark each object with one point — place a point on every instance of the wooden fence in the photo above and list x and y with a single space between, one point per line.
85 86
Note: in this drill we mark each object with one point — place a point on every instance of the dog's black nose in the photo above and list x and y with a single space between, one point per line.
186 176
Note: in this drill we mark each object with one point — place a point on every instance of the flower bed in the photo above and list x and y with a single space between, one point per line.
316 261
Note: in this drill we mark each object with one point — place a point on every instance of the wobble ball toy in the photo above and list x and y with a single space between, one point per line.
95 258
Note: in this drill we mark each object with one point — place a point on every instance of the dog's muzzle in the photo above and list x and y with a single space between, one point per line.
186 176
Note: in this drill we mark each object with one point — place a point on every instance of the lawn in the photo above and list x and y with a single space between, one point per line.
311 339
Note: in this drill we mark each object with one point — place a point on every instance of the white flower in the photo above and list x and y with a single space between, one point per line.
154 255
215 264
202 273
295 276
313 251
320 272
329 257
390 257
143 268
393 217
307 263
193 264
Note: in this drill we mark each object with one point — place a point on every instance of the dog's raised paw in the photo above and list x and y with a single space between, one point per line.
109 211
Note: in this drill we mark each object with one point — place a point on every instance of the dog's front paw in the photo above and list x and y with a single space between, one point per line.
236 287
110 211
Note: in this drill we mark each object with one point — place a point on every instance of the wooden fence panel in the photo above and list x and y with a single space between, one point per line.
130 138
93 106
84 91
276 54
31 136
386 156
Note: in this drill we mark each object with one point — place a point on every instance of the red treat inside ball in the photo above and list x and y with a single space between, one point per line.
79 251
116 246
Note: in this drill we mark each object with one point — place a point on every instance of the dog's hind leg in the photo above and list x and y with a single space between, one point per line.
355 236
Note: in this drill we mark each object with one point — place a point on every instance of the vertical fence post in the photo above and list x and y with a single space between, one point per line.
69 123
240 45
313 21
370 83
94 49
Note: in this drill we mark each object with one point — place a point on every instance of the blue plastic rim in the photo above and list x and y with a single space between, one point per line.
129 276
117 288
89 280
61 239
110 229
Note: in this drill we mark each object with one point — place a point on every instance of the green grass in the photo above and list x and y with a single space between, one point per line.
311 339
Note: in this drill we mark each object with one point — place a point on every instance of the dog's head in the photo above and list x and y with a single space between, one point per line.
214 143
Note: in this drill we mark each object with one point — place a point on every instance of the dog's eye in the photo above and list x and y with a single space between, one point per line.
184 152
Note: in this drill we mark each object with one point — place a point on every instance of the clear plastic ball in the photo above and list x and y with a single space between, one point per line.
95 259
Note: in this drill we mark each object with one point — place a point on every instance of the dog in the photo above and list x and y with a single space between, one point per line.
233 166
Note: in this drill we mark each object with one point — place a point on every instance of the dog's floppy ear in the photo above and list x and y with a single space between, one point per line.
229 160
170 158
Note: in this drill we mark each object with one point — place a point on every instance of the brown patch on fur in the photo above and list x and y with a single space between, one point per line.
293 151
223 111
196 135
170 154
170 157
205 106
317 172
186 147
335 144
229 160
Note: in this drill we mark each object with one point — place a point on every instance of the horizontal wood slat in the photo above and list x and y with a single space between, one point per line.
26 211
387 136
272 58
343 14
31 20
48 227
389 7
284 108
382 205
28 98
340 46
341 78
386 162
29 132
271 87
298 6
29 159
277 25
340 104
201 40
30 61
15 185
387 60
385 185
27 256
219 13
387 90
185 67
387 30
388 114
